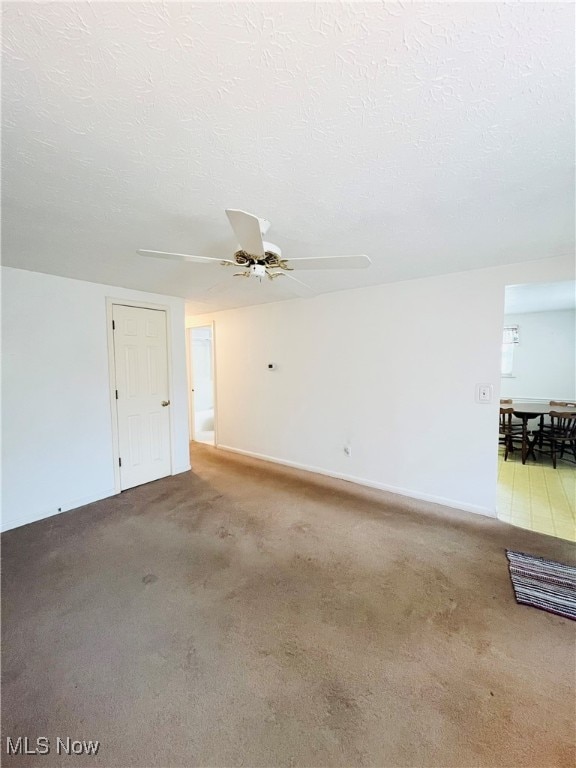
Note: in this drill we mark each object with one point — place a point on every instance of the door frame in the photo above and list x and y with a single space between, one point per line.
191 425
110 302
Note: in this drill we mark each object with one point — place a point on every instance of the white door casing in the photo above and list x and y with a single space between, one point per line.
141 382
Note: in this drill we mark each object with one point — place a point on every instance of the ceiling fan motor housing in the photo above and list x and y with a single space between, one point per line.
271 249
272 258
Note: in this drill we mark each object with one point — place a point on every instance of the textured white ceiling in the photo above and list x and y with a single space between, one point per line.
434 137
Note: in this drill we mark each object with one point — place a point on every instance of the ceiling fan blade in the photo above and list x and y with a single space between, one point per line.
248 231
222 286
302 289
360 261
186 257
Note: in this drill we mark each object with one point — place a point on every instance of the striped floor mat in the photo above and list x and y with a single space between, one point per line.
543 583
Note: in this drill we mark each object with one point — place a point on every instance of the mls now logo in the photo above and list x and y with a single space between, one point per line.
41 746
24 746
69 746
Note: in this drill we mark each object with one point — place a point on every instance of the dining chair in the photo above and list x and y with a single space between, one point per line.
508 431
545 423
508 401
561 434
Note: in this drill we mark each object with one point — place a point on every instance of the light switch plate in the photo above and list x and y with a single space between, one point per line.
484 393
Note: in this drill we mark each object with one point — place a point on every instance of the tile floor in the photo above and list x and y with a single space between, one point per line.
537 496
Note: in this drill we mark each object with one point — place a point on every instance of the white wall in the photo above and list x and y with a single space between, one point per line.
56 413
389 369
545 359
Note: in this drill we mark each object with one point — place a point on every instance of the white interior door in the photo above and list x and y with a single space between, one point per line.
142 394
202 382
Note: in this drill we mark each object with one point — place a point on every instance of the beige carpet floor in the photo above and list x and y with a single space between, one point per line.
245 614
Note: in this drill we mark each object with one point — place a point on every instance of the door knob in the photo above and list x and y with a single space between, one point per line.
165 403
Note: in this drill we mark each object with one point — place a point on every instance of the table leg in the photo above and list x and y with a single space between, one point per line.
531 446
524 438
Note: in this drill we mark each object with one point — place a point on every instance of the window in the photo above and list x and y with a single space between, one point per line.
510 337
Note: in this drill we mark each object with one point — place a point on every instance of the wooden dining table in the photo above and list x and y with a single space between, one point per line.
527 411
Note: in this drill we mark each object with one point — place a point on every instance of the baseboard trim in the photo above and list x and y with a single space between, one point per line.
182 468
8 525
446 502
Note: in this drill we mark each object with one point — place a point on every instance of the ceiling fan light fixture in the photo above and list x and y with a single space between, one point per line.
258 270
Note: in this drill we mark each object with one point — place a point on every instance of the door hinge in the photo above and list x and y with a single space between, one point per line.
116 394
113 325
119 462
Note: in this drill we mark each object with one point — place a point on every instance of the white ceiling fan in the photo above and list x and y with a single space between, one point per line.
258 258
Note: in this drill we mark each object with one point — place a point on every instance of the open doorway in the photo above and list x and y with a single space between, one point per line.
538 376
202 406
